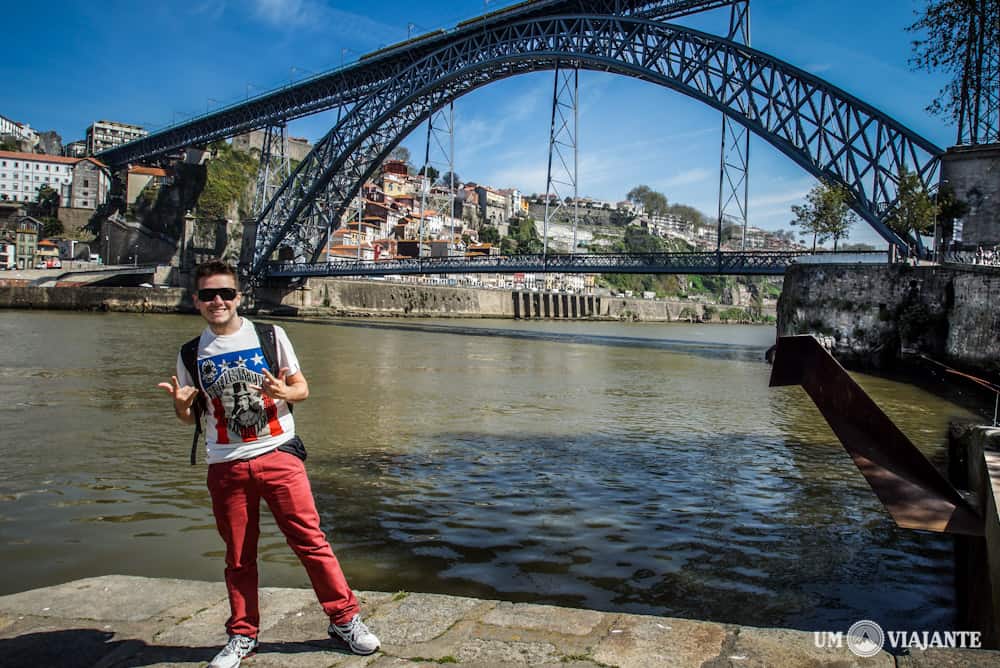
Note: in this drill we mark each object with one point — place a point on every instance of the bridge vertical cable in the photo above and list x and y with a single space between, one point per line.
734 160
562 173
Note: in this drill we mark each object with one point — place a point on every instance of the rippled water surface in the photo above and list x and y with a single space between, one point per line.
642 468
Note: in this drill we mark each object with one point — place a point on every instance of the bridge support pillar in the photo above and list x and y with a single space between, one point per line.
536 300
973 172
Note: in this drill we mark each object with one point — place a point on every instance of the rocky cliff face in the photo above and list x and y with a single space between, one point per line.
873 316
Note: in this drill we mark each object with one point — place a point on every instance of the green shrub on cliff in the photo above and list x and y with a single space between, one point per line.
230 174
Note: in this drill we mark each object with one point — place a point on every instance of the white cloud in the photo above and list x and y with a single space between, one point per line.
688 177
285 12
788 197
317 16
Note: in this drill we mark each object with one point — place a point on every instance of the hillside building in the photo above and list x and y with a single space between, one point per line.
81 183
103 135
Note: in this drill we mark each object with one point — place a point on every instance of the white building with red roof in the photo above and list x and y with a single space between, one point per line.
82 183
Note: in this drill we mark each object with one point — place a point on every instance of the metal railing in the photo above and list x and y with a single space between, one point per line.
772 263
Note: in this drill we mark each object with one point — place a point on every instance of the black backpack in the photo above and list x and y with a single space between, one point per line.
189 356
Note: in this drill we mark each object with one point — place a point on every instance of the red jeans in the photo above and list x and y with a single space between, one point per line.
280 479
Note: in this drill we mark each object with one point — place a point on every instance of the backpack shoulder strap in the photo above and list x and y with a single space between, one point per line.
189 357
269 346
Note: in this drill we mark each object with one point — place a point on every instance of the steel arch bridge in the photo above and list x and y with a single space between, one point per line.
825 130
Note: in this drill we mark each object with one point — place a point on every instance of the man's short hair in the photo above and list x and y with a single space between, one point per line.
213 268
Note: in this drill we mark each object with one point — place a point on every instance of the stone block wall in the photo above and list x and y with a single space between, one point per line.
871 316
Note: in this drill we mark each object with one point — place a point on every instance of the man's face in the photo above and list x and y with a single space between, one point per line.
218 312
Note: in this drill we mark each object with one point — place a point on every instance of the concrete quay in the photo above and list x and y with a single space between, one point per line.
116 621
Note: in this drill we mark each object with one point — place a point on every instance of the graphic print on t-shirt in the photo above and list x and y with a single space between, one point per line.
242 414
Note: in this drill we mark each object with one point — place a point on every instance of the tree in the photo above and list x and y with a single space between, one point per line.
638 240
489 234
46 204
962 38
689 213
826 214
449 178
400 153
950 209
51 227
654 203
915 211
522 238
432 173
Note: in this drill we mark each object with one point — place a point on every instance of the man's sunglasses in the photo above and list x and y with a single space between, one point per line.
209 294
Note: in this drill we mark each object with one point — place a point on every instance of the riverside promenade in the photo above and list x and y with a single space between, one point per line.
119 621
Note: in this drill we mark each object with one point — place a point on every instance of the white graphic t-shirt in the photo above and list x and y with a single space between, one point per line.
240 422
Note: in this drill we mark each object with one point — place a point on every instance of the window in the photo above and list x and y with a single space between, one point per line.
86 183
85 202
47 167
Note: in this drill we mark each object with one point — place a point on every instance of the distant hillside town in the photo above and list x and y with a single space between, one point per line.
61 196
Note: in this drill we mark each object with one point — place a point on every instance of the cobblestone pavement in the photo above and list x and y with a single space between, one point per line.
117 621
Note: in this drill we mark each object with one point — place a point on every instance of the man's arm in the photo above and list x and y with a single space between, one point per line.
183 397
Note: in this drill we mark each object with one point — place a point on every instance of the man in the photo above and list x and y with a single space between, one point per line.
249 440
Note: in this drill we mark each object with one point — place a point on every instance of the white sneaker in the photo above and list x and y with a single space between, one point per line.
356 635
237 649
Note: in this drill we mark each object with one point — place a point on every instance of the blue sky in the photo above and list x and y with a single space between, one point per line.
155 63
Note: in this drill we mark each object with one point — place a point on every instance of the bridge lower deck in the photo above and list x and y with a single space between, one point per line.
759 263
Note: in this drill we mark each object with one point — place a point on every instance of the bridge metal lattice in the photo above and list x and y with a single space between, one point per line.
563 150
825 130
734 163
345 86
274 168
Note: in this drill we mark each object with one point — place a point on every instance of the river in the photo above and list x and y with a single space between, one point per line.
631 467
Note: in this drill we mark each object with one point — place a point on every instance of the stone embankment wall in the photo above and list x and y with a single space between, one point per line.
327 296
872 316
322 296
130 300
339 297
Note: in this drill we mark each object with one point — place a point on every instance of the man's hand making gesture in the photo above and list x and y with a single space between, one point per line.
183 398
283 386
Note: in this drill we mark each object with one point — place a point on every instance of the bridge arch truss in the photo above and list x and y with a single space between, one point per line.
825 130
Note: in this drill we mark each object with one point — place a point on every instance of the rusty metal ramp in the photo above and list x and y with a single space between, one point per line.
911 488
